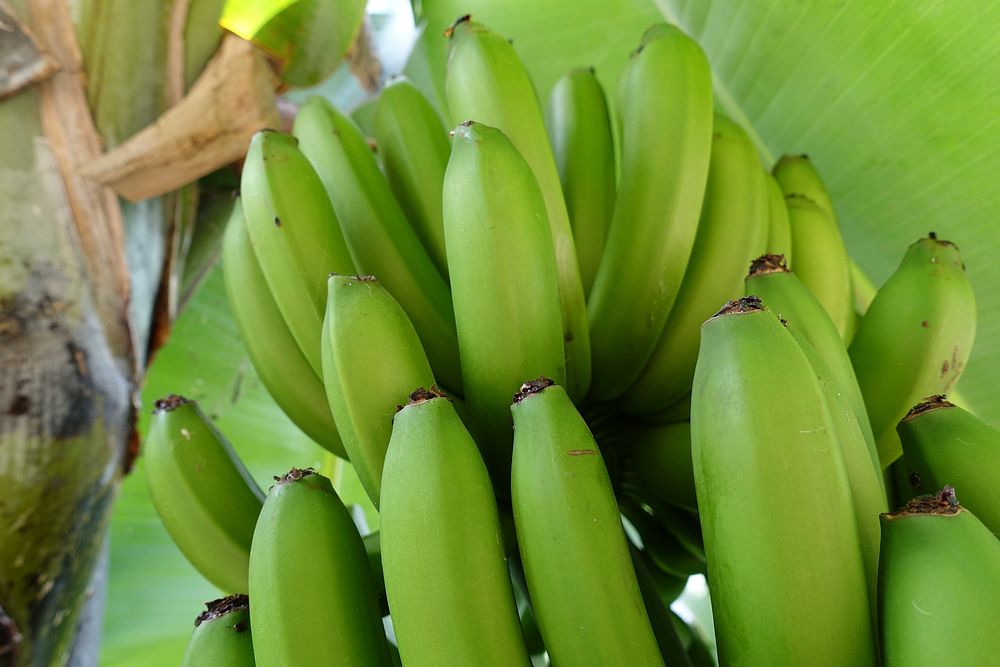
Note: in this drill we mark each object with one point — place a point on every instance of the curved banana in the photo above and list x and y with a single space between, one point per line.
414 148
785 564
939 583
487 83
221 636
504 282
666 143
579 129
381 239
915 338
572 542
733 217
295 234
779 227
944 444
796 175
314 598
372 360
206 499
442 552
659 460
277 358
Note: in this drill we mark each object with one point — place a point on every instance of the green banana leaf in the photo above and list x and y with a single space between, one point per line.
896 102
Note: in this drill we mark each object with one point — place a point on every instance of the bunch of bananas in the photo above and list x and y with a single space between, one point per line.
394 303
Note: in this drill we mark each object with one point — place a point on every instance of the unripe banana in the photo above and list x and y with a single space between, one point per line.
666 553
442 553
206 499
525 611
579 129
785 567
796 175
314 599
221 635
733 217
372 360
821 258
504 282
572 543
666 143
295 234
373 549
277 358
487 83
944 444
915 338
414 148
939 582
381 240
658 611
779 227
659 462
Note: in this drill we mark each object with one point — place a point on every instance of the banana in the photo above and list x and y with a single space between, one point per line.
779 227
657 609
381 240
785 564
486 82
529 624
372 360
733 217
915 338
504 282
221 636
944 444
314 598
939 583
295 234
659 461
666 553
442 552
206 499
414 148
571 539
786 295
277 358
579 129
373 549
666 143
796 175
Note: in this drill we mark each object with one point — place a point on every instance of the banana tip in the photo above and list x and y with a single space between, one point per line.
449 32
294 475
532 387
422 395
222 606
929 404
768 264
943 502
746 304
171 402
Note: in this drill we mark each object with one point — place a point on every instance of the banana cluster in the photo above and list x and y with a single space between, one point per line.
536 339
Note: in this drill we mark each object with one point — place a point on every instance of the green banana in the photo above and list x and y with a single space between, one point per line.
944 444
571 539
796 175
414 148
442 552
372 360
504 282
295 234
667 639
280 364
381 239
779 227
734 215
939 581
915 338
666 553
373 549
785 565
206 499
221 636
486 82
526 612
659 461
315 600
666 143
579 129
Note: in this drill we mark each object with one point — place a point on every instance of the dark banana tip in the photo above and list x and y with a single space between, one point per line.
929 404
171 402
222 606
768 264
450 30
422 395
746 304
294 475
932 236
944 502
532 387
